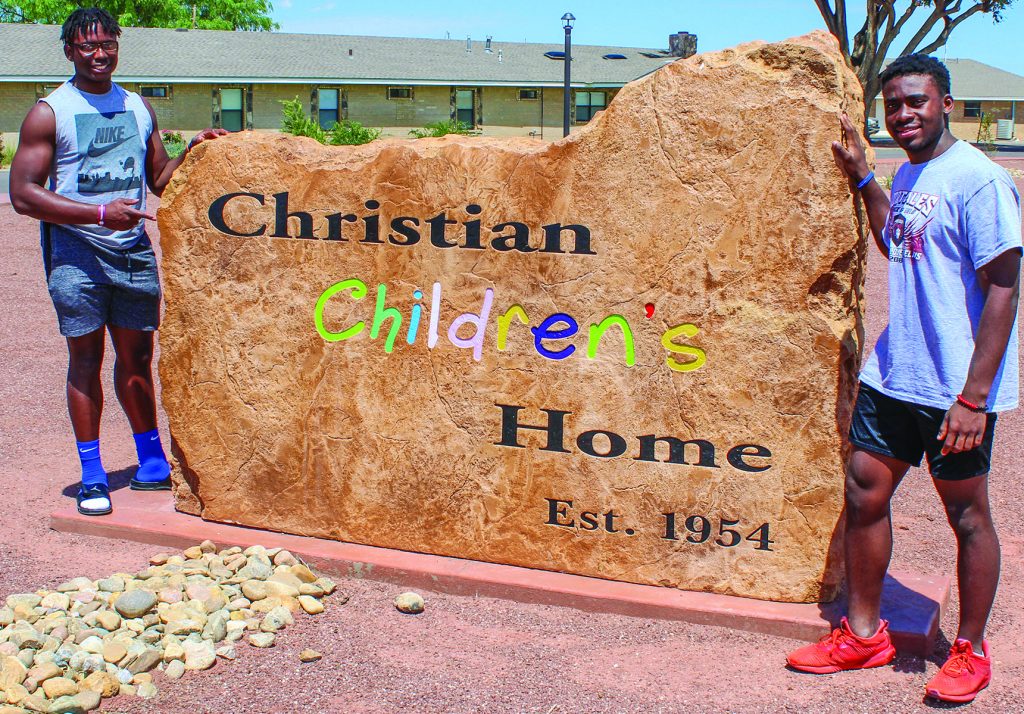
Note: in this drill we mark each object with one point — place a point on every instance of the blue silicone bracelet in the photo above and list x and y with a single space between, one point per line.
864 181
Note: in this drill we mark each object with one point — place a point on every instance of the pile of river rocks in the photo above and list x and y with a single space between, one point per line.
64 650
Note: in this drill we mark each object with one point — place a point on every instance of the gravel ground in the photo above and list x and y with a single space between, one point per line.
463 654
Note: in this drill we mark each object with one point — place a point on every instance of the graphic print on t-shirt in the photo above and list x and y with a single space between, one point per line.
111 152
909 215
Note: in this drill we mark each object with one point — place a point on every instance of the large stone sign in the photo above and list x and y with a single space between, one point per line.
629 354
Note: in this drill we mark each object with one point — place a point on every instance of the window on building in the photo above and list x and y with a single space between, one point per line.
465 106
399 92
972 109
588 104
529 94
329 103
156 91
232 114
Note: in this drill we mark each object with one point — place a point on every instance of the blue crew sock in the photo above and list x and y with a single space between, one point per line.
92 467
153 464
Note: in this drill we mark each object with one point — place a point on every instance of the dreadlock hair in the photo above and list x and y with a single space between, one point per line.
84 19
918 64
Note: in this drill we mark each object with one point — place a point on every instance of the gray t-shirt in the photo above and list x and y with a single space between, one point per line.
948 218
101 154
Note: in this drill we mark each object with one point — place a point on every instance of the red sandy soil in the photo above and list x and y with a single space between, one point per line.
464 654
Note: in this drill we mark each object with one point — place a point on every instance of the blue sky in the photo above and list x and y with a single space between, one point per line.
629 23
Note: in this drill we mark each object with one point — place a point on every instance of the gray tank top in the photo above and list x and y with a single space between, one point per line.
101 154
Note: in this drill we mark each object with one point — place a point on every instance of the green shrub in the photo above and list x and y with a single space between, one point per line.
351 133
986 141
347 132
294 121
886 181
441 128
6 154
173 141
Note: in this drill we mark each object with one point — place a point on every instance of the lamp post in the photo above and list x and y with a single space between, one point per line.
567 20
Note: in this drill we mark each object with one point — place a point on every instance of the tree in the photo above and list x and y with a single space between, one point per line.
885 21
209 15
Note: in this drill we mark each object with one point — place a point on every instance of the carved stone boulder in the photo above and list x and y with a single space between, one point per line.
629 354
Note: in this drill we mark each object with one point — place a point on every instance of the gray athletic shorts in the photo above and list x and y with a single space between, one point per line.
92 286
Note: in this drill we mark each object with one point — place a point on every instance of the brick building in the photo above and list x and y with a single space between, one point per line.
200 78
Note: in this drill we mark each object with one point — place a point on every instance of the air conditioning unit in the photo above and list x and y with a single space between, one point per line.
1004 129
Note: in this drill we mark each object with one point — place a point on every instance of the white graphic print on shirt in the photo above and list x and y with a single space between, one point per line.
909 215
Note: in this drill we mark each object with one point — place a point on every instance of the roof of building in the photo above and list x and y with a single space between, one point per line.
970 79
34 53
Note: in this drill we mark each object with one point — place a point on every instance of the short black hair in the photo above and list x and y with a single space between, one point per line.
85 18
918 63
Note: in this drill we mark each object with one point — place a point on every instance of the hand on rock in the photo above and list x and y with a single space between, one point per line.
849 154
206 134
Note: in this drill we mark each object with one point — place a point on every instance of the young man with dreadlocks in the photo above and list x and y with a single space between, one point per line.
86 156
946 363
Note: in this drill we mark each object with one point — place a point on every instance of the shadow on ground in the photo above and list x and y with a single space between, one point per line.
116 480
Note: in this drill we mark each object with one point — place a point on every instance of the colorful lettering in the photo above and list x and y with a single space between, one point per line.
597 331
358 288
699 356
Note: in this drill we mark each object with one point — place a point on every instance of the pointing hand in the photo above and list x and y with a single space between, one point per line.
122 214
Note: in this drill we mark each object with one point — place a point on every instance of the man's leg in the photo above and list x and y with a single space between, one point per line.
84 389
133 376
885 444
861 640
968 669
870 483
133 381
977 566
85 405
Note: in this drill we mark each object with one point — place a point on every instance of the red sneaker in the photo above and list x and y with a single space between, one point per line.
963 675
844 650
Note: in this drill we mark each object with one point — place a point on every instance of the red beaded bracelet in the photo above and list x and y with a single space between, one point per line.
970 406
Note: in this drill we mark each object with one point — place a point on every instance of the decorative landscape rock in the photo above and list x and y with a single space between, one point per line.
410 603
310 604
103 683
175 670
135 603
262 639
68 659
59 687
308 655
629 354
199 655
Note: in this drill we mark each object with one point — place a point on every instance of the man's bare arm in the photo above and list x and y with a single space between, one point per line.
30 171
963 429
851 158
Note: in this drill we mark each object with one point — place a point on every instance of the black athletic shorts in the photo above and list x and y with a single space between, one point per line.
905 431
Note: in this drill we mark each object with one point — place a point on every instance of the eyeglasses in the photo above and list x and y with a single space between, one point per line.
89 48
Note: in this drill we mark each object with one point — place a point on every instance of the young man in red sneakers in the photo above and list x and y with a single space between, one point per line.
946 363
